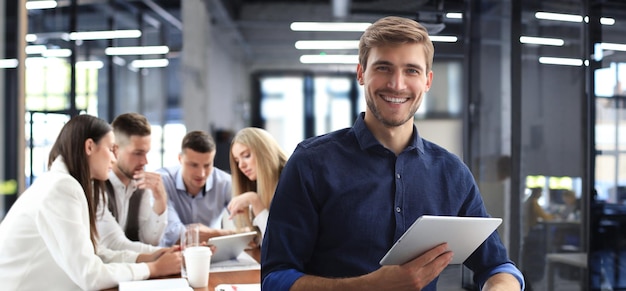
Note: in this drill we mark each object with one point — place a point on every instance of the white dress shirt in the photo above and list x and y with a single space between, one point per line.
151 225
260 221
45 241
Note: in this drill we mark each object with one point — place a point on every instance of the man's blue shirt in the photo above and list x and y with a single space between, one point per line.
206 207
343 200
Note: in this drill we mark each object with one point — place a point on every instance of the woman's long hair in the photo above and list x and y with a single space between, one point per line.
70 145
270 161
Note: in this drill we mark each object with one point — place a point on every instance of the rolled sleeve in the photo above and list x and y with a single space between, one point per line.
280 280
504 268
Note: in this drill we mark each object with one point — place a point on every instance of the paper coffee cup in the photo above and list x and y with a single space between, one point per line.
198 263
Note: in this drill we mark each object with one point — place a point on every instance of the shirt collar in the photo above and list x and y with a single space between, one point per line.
180 185
115 180
367 140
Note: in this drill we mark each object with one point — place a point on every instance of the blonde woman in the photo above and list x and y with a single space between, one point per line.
256 161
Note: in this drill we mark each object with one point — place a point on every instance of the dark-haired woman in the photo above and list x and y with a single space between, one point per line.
48 239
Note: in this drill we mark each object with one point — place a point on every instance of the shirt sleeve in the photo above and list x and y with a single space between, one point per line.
63 223
112 236
260 221
152 225
293 214
174 226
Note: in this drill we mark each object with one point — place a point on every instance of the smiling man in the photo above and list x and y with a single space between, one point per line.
198 192
345 198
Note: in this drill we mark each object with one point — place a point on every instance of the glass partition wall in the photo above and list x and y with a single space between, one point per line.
545 117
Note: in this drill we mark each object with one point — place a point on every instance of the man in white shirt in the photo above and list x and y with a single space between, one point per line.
134 214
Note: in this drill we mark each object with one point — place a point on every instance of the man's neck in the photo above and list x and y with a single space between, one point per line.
395 138
123 178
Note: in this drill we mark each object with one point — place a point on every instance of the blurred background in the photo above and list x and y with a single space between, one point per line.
530 94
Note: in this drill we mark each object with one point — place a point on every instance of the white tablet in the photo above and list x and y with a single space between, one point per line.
228 247
463 235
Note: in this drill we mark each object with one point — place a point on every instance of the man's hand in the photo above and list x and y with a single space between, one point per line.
414 275
154 182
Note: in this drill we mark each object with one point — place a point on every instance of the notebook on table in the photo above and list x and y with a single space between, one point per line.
463 235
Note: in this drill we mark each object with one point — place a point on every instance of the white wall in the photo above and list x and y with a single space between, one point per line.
447 133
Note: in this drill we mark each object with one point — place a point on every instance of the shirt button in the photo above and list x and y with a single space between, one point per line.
398 176
398 209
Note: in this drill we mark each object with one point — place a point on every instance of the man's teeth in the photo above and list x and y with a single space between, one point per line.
395 100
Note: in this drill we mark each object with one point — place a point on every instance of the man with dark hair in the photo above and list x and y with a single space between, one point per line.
199 192
134 214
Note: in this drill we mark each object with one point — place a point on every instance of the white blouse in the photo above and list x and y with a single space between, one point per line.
45 241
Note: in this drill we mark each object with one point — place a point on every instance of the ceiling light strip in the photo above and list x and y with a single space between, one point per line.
8 63
34 5
571 18
152 63
561 61
329 59
329 26
327 44
613 46
558 17
105 34
137 50
541 40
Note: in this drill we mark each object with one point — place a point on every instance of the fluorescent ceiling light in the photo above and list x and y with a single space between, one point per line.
106 34
541 40
329 59
136 50
327 44
571 18
613 46
89 65
607 21
329 26
56 53
558 17
8 63
561 61
352 44
454 15
31 37
31 5
35 49
153 63
443 38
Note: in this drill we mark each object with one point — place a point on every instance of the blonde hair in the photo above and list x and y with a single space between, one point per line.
270 160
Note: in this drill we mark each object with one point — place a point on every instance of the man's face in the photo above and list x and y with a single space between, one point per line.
132 156
196 168
394 81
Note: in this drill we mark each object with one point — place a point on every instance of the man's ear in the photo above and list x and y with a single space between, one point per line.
359 74
89 146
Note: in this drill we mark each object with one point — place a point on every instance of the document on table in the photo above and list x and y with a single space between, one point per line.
175 284
238 287
243 262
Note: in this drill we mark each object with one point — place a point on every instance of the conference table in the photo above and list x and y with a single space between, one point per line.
235 277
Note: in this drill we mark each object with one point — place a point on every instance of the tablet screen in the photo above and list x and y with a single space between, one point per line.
463 235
